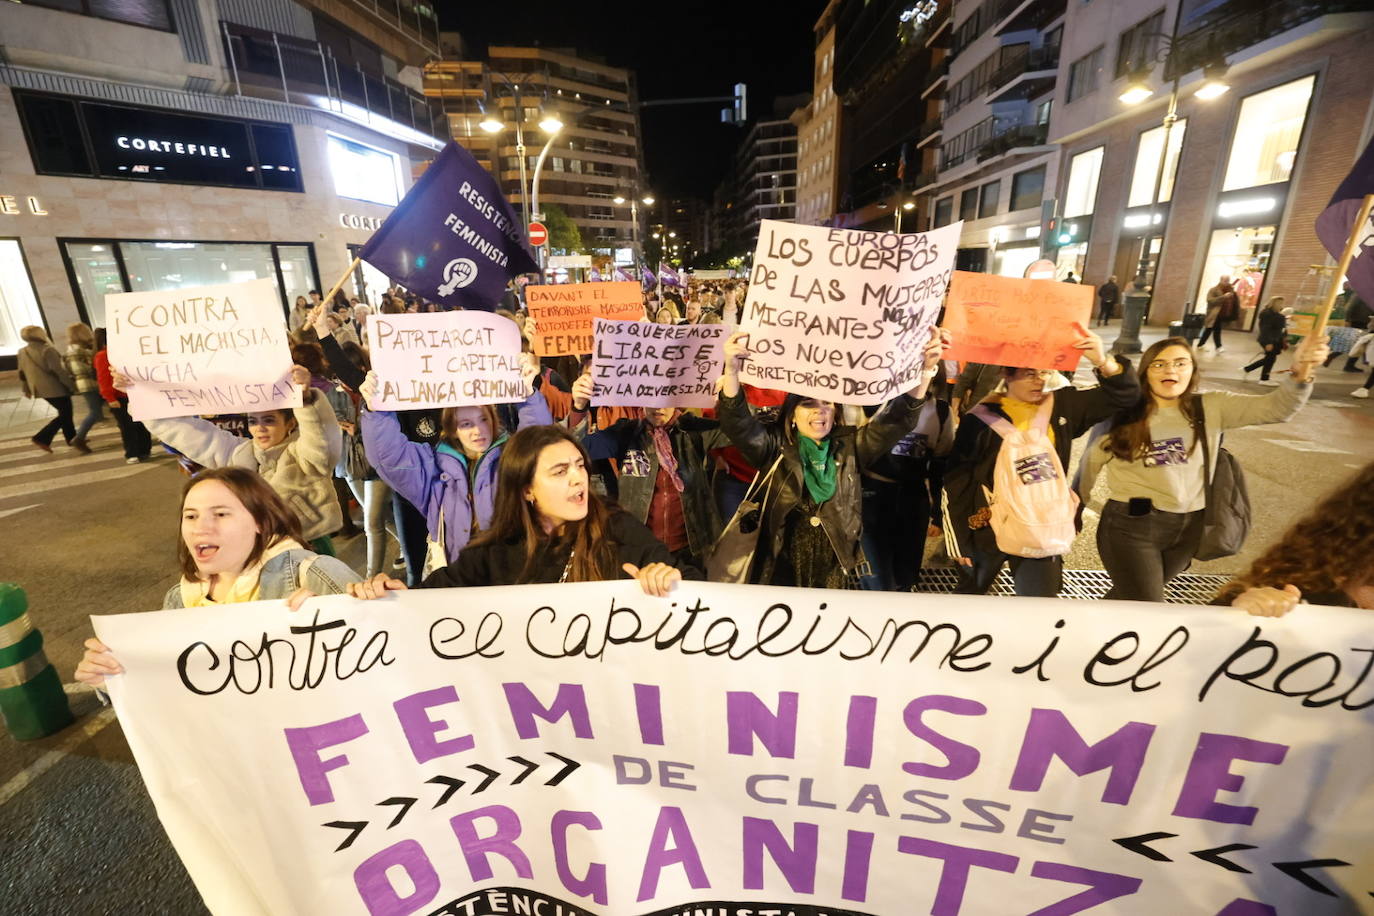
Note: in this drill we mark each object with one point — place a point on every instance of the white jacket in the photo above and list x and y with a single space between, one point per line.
301 469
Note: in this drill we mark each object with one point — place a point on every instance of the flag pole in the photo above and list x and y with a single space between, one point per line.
1319 327
342 280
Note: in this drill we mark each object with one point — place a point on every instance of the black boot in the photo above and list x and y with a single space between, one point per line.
1350 366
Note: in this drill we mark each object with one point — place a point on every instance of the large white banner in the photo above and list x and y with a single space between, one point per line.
202 349
746 751
843 315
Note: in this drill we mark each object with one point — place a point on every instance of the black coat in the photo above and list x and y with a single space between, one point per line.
1273 328
855 449
500 562
976 446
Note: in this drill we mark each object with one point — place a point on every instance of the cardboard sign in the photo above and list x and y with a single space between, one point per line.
446 359
564 313
642 364
202 350
843 315
586 749
1010 321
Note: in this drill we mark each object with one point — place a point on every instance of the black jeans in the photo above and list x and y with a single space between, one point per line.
1266 362
1142 553
1040 577
1104 312
1214 331
62 421
1369 382
412 531
895 519
138 442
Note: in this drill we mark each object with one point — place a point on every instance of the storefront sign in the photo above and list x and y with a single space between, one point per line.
9 206
753 751
172 146
355 221
564 261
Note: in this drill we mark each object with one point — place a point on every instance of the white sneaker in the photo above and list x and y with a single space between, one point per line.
1269 383
1360 393
1219 350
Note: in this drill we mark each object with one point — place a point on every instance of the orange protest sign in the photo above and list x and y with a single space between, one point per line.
1008 321
565 313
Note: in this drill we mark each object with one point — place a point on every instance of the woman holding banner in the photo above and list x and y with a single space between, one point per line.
1024 398
548 525
239 542
811 521
295 451
1156 454
454 481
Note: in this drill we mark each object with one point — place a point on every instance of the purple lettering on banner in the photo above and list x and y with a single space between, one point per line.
375 887
1049 734
796 861
949 894
571 701
649 708
858 853
1102 886
1209 772
671 824
476 848
962 758
306 744
420 729
594 885
747 716
858 732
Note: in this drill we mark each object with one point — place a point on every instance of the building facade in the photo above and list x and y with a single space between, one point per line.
766 172
158 147
1244 172
997 168
818 130
593 159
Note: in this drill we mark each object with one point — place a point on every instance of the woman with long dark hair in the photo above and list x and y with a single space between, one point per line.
1154 455
550 526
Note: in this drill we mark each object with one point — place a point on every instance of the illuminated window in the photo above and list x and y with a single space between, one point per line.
1081 194
1267 132
363 172
1147 164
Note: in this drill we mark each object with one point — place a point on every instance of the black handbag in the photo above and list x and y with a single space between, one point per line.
356 465
1226 519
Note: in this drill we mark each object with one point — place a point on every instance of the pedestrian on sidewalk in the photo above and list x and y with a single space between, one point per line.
42 375
79 361
138 442
1222 305
1108 295
1273 332
1151 524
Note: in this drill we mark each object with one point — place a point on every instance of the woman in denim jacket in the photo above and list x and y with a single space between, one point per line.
239 542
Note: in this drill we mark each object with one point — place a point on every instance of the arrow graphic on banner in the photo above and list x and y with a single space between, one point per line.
491 776
405 804
1137 845
529 765
1215 856
355 828
453 786
1298 872
568 767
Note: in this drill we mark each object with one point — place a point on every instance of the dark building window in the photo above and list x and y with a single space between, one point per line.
988 199
1084 74
53 127
1027 188
968 204
151 13
1137 45
944 212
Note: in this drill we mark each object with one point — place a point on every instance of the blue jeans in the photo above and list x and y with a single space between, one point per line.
95 412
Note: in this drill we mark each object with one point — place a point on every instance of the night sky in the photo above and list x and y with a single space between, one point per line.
677 50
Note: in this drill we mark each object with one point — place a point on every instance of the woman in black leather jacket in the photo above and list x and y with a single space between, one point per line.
812 513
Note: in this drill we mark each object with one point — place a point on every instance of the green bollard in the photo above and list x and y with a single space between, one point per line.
32 701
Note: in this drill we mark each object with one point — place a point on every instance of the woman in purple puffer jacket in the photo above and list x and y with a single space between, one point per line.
453 482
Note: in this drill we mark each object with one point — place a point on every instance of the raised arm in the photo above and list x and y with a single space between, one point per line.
319 445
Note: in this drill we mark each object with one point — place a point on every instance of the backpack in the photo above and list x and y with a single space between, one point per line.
1032 508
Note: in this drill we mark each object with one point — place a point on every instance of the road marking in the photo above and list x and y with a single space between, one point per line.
75 480
1303 445
7 512
90 461
26 777
23 446
26 432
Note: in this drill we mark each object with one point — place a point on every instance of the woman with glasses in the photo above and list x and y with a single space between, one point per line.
969 537
1153 453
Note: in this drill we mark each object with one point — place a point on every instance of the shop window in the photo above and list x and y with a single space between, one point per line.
363 172
1147 164
1027 188
988 198
1243 255
18 302
968 204
1084 74
1081 194
97 274
1268 129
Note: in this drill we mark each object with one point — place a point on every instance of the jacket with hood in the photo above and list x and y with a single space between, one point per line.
301 469
438 479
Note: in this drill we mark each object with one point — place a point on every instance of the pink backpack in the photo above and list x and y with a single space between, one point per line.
1032 508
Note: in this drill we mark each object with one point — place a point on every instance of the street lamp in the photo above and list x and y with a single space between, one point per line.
549 122
648 199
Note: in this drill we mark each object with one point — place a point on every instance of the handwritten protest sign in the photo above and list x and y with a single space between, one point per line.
843 315
642 364
1009 321
564 313
585 749
202 349
446 359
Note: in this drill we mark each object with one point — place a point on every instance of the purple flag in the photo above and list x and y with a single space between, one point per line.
646 277
594 275
1335 223
622 275
668 276
454 238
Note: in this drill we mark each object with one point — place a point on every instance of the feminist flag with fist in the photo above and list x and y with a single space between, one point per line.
454 238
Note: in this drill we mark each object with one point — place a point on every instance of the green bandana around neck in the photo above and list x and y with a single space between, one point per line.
818 468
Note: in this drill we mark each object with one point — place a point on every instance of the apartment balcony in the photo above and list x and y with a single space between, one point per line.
1025 75
924 181
1023 15
938 32
1017 137
937 80
1240 24
930 130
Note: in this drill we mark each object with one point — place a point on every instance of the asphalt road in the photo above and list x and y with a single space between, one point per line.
90 535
